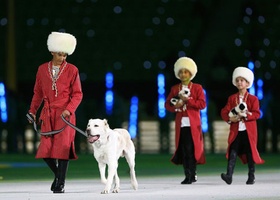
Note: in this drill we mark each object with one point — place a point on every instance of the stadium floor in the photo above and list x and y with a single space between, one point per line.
207 187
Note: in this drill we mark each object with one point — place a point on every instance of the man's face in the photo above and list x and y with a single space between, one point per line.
58 57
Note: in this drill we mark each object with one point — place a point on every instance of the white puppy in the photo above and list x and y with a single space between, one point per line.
240 109
108 146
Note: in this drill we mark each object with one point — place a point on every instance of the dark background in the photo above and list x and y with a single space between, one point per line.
136 40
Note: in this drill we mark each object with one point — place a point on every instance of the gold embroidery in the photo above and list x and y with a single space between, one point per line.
244 99
54 79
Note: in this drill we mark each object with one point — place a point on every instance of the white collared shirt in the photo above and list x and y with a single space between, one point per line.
241 126
185 121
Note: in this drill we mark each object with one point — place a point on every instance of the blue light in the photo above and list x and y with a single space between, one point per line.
161 90
260 83
109 80
261 115
204 117
260 93
109 96
2 90
260 89
252 89
251 65
109 99
3 105
161 95
161 80
133 117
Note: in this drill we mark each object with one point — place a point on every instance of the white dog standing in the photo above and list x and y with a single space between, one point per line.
108 146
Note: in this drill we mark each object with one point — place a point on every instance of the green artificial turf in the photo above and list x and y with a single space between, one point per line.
19 167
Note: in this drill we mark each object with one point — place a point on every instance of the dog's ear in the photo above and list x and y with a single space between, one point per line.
106 125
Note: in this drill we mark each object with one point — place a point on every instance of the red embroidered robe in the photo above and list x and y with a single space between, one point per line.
69 96
194 105
250 123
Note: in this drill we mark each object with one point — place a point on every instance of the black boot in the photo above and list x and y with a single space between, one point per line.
193 171
230 168
187 179
52 165
251 179
61 174
193 177
251 174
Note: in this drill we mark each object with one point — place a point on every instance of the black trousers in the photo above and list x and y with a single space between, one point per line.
241 144
186 151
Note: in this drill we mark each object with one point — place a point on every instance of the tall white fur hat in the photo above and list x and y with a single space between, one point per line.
61 42
185 63
245 73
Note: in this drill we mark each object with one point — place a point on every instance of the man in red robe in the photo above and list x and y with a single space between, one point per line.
243 137
58 87
186 99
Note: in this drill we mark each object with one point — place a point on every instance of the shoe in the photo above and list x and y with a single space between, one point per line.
53 184
59 188
193 178
226 178
251 179
61 174
187 180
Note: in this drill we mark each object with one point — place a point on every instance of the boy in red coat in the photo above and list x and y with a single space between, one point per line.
58 86
186 99
241 112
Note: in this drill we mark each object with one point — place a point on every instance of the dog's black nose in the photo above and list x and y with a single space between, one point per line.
88 131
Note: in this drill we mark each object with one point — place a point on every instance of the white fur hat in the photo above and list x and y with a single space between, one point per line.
245 73
185 63
61 42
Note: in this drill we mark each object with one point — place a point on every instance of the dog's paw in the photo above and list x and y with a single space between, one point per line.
105 192
116 190
135 187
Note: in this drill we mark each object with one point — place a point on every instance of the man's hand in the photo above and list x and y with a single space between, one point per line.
34 118
66 113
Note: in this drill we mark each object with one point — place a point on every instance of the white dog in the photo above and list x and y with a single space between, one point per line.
108 146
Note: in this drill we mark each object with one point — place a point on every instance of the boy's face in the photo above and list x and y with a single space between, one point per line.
184 75
58 57
241 83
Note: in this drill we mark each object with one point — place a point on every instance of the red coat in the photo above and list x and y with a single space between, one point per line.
194 105
250 123
69 96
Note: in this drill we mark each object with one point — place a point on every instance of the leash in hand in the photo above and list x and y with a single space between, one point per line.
30 118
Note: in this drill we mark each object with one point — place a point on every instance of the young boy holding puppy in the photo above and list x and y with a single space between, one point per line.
186 99
241 112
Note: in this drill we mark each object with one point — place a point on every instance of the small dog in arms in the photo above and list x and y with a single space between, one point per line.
108 146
